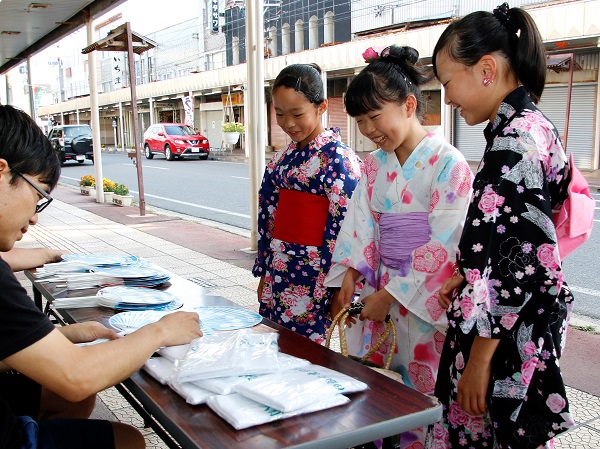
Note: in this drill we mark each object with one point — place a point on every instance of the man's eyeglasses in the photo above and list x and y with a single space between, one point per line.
44 201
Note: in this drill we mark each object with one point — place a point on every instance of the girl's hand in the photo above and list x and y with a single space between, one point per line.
261 285
447 291
474 382
343 298
377 306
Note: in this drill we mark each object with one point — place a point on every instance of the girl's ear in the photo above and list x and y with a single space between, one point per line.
488 67
3 167
323 106
411 105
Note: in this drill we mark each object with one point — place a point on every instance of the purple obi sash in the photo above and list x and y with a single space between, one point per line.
400 235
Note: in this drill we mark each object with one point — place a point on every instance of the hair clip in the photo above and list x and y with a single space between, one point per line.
298 84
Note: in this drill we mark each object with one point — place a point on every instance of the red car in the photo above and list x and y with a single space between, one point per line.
174 140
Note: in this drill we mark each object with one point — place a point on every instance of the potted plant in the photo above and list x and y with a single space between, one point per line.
87 185
121 195
231 132
109 188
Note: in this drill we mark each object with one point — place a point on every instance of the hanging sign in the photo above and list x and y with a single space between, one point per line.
214 16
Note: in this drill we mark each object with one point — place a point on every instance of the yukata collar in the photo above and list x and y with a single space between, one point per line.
322 139
517 100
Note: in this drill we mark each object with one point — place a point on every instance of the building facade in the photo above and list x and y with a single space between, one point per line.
334 36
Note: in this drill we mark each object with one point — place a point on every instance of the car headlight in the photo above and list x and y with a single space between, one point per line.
178 141
205 141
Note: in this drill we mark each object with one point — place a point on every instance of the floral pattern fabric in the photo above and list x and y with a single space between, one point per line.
293 294
513 289
435 179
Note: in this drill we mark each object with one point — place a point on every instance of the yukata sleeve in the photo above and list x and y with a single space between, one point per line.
431 264
340 180
268 198
522 276
355 238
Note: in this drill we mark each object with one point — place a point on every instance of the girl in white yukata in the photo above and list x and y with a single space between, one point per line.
403 224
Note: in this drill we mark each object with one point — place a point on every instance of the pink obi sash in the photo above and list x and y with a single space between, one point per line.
400 235
301 217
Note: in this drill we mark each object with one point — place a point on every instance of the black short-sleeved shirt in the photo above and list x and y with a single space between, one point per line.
21 325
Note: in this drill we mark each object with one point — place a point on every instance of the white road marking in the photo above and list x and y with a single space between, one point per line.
213 209
239 177
221 211
587 291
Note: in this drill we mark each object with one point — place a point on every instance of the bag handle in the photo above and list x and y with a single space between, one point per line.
340 320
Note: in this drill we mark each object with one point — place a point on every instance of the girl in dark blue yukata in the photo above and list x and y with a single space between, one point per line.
302 202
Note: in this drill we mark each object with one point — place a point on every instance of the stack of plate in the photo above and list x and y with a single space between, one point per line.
137 298
135 276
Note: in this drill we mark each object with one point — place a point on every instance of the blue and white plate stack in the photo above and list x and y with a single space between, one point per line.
137 298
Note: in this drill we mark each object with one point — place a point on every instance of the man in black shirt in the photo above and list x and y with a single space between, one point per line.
29 342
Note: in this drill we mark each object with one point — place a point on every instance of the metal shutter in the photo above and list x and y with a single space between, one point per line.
470 141
581 121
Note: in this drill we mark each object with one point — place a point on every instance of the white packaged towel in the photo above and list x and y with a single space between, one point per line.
234 353
242 412
174 352
296 389
161 368
192 394
226 385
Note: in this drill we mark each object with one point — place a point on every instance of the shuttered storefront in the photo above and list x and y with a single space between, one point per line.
337 117
469 139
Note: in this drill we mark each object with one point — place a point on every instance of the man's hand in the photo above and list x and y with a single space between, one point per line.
86 332
179 328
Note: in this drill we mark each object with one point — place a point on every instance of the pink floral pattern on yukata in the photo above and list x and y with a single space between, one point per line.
513 288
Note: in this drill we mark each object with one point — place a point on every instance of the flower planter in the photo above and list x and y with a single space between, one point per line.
231 138
88 190
122 200
108 196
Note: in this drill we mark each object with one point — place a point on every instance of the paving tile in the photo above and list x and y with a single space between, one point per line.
584 406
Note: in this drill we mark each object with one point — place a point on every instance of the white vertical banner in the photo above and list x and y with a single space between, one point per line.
188 109
117 72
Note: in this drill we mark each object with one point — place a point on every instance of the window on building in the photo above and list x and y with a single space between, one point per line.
285 39
298 36
235 50
328 28
313 32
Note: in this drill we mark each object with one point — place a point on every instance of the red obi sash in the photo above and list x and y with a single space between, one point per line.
301 217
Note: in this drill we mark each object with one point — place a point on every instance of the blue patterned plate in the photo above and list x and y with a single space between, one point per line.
227 318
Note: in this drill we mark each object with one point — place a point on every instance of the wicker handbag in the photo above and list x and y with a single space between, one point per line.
340 320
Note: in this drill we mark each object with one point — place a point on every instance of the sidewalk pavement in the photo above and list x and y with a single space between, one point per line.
217 257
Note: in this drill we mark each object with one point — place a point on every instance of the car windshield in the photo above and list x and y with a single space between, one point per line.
180 130
75 131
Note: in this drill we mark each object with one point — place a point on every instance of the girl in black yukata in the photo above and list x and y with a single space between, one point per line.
508 306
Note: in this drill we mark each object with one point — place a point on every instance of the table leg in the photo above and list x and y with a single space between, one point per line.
149 421
37 297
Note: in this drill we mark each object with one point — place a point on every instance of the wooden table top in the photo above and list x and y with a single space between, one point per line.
385 409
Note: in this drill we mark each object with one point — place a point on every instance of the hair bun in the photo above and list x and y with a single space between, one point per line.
404 54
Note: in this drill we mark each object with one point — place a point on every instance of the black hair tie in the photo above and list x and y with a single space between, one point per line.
502 15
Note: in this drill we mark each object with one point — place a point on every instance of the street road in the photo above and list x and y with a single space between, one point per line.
219 191
208 189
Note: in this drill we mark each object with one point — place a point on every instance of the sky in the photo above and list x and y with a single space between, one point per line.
147 16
